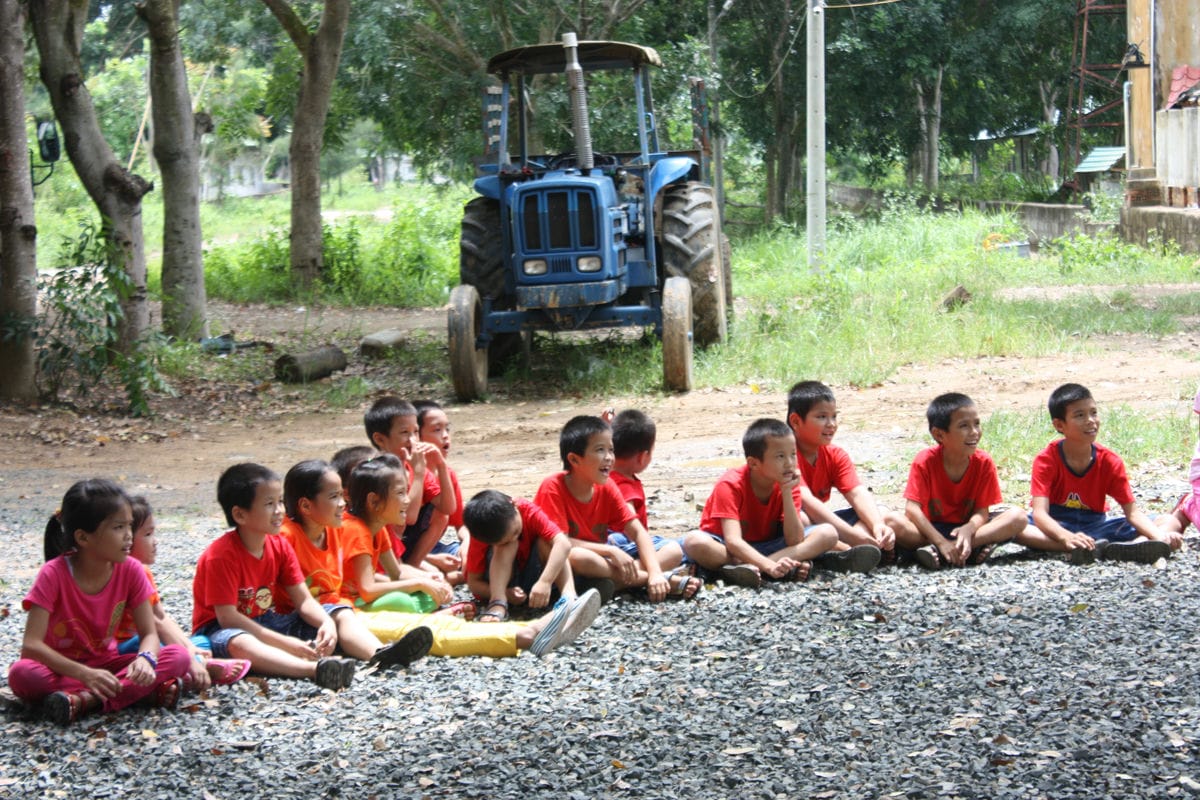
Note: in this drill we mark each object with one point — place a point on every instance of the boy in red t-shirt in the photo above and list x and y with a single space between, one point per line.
433 425
813 418
582 501
951 489
751 526
634 434
515 554
1072 481
392 427
236 577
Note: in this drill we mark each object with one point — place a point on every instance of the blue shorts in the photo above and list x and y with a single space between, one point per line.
130 646
287 624
451 548
1095 524
766 547
848 515
630 548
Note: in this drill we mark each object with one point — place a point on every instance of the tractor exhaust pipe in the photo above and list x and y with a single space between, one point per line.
579 109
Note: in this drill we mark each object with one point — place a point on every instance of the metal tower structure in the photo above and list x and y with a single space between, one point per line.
1095 97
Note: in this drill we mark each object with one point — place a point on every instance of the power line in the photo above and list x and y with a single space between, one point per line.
864 5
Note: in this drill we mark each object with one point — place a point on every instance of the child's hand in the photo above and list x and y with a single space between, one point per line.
438 589
1173 538
326 639
304 650
431 452
1076 540
102 682
539 595
516 596
445 562
139 672
950 554
780 569
657 588
416 460
885 537
789 481
622 564
198 671
608 414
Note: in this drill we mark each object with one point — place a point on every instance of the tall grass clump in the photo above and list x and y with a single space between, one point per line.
877 304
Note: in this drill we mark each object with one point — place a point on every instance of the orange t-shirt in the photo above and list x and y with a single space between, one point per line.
127 629
322 568
357 539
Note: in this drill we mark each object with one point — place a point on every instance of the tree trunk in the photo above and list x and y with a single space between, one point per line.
320 52
177 153
58 30
18 234
929 115
1049 98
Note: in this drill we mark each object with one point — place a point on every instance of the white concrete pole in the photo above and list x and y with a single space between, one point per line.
815 205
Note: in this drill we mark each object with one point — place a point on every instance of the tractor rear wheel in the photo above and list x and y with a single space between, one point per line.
468 363
481 264
677 335
691 248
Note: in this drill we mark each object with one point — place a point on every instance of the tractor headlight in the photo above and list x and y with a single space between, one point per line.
535 266
588 264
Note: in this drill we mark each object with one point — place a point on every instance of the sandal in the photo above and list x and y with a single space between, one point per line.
929 557
981 555
489 615
463 608
683 583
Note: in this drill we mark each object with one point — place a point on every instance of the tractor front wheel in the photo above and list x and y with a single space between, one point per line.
468 363
677 335
691 248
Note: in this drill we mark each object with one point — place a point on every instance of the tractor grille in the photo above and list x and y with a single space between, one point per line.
558 220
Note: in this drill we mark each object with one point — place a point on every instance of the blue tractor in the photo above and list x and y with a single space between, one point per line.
580 239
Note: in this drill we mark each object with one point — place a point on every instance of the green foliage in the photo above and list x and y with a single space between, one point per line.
77 327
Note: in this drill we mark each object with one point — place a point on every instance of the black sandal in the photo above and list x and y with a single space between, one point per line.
488 615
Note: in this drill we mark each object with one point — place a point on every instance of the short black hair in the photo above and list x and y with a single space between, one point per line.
488 514
345 460
633 432
139 506
84 507
302 480
238 485
806 394
754 440
575 435
373 476
423 407
942 408
1063 396
383 412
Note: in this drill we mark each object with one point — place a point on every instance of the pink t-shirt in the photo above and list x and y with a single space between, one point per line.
1194 469
83 626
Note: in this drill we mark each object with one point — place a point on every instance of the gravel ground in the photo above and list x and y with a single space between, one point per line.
1023 678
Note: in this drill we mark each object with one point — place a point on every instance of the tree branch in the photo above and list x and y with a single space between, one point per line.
295 28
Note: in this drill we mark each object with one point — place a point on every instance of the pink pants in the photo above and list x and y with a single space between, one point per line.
32 680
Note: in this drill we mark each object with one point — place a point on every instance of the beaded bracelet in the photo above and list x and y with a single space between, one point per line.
146 654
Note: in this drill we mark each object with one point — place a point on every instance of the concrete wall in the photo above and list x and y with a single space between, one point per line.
1176 41
1181 225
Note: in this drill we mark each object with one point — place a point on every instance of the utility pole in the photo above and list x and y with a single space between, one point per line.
815 205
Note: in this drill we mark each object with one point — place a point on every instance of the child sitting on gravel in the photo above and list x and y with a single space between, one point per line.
582 501
378 495
1187 511
1072 481
203 670
751 526
633 434
238 576
392 427
515 555
434 428
69 660
812 415
951 489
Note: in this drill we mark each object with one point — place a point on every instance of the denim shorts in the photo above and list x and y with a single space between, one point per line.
848 515
1095 524
766 547
287 624
130 645
451 548
630 548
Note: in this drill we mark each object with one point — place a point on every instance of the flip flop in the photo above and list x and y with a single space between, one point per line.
225 671
929 557
981 555
685 579
489 615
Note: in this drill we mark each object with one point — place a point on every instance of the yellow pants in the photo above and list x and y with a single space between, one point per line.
452 636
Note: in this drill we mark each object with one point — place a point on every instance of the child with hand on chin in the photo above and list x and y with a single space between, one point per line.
752 526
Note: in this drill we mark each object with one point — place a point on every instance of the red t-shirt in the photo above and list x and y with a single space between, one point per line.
832 470
589 521
634 493
128 628
733 498
456 520
534 525
431 487
943 500
322 568
1105 477
357 539
228 575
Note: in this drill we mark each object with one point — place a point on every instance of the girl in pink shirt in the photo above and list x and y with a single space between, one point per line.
69 660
